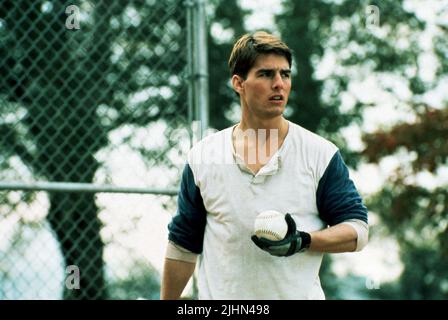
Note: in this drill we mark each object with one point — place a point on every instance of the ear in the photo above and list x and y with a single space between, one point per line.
237 83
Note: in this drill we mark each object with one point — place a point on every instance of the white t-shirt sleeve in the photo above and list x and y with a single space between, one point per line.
362 229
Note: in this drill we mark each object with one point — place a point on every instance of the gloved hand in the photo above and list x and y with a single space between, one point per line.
294 241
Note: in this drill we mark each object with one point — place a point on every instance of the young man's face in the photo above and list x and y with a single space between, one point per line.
265 91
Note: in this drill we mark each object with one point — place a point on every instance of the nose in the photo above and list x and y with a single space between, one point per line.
277 82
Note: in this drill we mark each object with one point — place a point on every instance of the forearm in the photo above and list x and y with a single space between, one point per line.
175 277
338 238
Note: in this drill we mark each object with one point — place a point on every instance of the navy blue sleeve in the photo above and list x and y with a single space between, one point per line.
337 197
188 225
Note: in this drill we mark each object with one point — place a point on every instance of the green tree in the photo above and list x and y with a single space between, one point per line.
318 29
142 282
416 213
229 16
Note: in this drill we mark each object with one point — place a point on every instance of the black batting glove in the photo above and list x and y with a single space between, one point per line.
294 241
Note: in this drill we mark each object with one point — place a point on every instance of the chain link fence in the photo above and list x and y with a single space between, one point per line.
97 105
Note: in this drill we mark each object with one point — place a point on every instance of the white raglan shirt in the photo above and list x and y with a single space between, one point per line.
231 266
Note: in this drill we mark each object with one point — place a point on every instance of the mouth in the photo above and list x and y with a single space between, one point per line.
277 98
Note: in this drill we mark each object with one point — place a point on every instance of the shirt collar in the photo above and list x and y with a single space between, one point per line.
269 169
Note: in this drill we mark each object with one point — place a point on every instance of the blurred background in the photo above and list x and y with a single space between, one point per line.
101 100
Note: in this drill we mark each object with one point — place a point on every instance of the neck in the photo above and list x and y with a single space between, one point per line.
279 123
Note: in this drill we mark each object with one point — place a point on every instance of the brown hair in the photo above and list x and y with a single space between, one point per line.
250 46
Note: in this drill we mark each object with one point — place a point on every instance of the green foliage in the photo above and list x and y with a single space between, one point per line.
424 277
142 283
416 214
318 29
230 17
349 287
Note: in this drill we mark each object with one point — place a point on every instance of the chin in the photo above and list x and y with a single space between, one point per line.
273 113
277 110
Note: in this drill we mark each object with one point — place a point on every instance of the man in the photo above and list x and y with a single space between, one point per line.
224 187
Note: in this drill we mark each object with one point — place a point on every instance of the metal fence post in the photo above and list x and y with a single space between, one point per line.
198 104
200 65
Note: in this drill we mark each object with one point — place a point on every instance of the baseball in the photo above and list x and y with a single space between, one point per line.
270 225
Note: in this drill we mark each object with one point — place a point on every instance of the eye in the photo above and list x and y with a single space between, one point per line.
286 75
